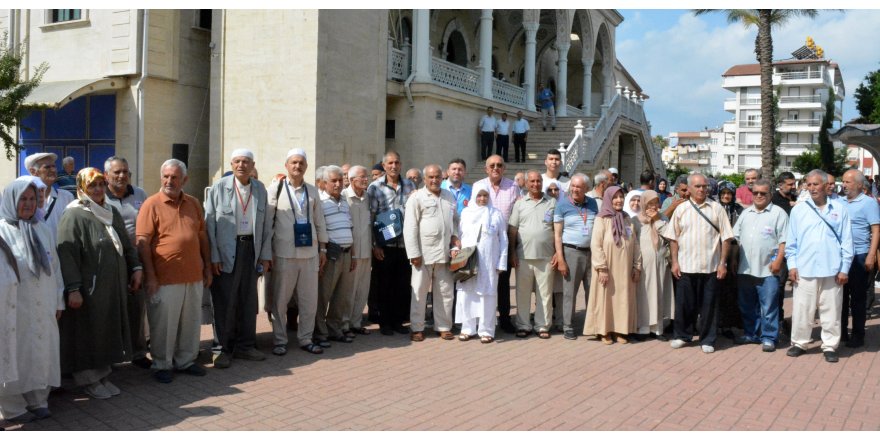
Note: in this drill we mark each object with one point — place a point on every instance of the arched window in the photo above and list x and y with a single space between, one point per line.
456 50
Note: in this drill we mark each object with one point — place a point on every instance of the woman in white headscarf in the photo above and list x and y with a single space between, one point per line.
98 260
478 296
632 204
29 359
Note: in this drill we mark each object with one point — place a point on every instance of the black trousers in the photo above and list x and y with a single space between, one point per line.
519 146
697 294
854 298
501 145
783 278
394 291
487 141
235 301
504 296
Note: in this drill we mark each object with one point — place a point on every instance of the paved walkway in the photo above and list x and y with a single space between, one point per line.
388 383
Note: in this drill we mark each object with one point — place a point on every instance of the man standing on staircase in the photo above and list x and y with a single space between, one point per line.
545 99
488 128
520 136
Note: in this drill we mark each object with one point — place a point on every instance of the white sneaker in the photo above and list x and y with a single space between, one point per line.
97 391
677 343
113 389
708 349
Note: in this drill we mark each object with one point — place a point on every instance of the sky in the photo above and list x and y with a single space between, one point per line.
678 58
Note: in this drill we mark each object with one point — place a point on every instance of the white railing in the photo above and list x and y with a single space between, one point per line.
397 65
800 122
508 93
573 111
799 99
750 101
813 74
455 77
749 124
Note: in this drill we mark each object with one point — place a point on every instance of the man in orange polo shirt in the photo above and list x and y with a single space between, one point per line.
174 248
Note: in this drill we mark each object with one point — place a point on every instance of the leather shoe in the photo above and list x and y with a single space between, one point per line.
795 351
163 376
222 360
194 370
249 354
855 342
142 362
401 329
831 356
386 331
417 337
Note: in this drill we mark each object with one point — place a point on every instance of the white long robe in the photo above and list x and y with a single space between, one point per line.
654 293
34 337
491 258
8 298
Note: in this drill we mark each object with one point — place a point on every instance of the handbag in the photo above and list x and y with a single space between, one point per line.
464 265
334 251
389 224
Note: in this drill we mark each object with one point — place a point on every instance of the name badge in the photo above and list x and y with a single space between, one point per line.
301 221
244 224
767 231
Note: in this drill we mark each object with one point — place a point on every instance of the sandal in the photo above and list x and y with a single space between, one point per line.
447 335
522 334
322 344
463 337
362 331
349 334
487 339
342 338
312 348
279 350
544 335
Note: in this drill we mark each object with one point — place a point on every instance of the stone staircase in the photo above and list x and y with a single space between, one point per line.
536 147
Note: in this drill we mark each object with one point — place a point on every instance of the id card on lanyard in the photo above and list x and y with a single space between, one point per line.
244 224
302 230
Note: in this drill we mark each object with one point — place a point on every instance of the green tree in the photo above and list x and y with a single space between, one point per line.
826 147
812 160
868 99
764 20
660 142
13 91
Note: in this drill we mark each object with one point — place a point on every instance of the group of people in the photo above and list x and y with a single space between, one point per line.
112 275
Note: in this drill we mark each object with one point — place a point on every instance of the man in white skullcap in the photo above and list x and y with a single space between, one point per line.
241 247
299 247
43 166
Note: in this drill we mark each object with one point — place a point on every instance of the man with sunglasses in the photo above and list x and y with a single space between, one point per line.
503 193
761 232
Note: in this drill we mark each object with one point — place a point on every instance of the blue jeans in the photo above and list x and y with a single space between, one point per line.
759 305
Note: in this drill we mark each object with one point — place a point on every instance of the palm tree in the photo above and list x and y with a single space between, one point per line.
765 20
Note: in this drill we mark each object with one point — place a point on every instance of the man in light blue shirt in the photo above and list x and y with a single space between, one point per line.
819 250
761 232
454 183
520 136
545 102
864 214
573 220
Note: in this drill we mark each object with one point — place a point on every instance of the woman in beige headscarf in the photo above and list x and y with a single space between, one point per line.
654 294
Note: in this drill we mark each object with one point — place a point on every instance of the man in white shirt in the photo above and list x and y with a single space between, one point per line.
488 127
553 164
503 139
520 136
43 166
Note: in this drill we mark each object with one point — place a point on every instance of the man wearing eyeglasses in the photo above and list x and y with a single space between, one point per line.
503 193
761 232
864 214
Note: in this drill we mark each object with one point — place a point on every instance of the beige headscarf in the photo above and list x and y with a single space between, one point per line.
84 178
647 196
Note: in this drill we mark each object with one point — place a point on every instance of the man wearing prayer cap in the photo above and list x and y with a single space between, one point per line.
43 166
299 247
240 234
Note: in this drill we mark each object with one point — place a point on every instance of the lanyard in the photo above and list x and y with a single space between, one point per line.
299 202
244 204
584 213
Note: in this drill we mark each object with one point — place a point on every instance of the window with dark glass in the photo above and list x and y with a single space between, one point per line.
59 15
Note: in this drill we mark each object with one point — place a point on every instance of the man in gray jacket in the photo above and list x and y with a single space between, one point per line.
241 248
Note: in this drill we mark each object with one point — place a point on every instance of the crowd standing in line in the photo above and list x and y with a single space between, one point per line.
113 275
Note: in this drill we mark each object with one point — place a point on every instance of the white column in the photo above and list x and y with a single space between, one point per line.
562 79
421 59
529 83
588 89
486 53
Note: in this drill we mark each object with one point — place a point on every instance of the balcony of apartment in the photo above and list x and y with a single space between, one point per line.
799 125
703 147
810 76
750 124
801 102
729 126
732 104
792 149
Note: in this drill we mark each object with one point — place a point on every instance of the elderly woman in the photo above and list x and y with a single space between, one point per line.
96 259
632 204
654 293
617 264
29 363
729 316
482 226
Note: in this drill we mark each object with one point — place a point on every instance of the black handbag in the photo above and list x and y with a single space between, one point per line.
302 232
389 224
464 265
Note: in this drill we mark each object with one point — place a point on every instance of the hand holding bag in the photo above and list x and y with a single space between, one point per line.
464 265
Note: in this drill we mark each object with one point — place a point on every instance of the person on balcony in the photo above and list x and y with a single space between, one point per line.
488 128
545 100
503 140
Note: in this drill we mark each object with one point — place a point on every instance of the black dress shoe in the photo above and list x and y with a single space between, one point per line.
795 351
402 330
831 356
855 342
142 362
386 331
507 327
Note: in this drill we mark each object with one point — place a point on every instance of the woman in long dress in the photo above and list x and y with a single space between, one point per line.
729 316
617 263
654 293
478 296
97 258
30 363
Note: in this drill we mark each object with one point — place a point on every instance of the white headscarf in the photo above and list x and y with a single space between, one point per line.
475 216
629 197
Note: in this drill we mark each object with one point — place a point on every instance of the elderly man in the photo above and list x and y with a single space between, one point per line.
67 179
487 128
864 215
553 164
388 194
601 181
345 180
176 255
42 165
573 221
520 180
744 192
414 175
761 231
429 233
819 250
334 300
530 232
357 280
699 241
128 199
503 193
241 247
299 246
454 183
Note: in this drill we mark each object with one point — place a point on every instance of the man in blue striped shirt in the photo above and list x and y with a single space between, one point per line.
819 250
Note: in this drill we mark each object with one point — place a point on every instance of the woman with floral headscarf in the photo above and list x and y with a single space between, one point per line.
729 316
97 260
617 265
29 363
